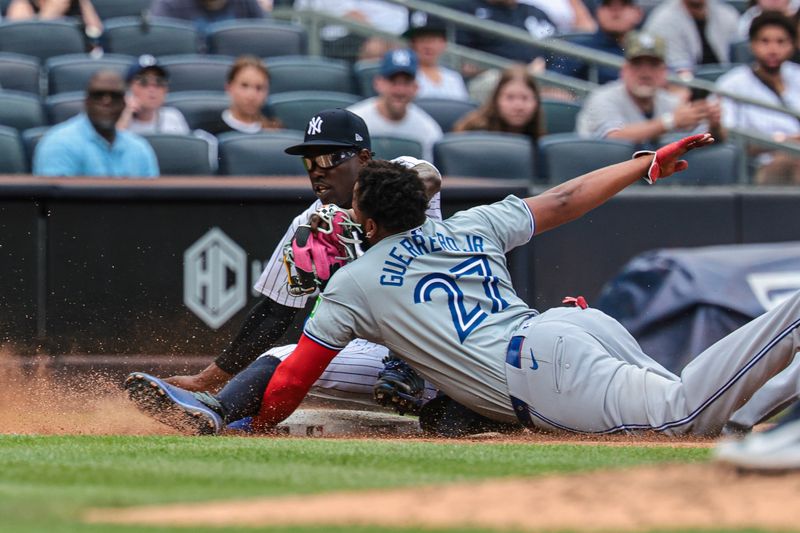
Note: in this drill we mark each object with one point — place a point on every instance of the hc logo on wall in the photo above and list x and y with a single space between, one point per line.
215 278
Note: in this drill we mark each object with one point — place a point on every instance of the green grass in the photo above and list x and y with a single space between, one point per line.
46 481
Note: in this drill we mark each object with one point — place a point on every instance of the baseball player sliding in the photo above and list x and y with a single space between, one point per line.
439 295
336 145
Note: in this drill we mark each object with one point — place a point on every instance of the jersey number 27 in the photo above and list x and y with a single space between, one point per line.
464 321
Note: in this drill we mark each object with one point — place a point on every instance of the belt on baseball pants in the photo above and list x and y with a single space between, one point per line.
514 358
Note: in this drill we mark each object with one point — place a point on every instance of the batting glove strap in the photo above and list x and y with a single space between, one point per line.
653 172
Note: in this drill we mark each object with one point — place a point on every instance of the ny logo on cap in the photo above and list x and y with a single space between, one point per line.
401 57
314 126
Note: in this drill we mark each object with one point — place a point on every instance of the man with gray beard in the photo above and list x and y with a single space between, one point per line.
638 107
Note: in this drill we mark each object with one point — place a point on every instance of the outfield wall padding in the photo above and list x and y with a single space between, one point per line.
96 266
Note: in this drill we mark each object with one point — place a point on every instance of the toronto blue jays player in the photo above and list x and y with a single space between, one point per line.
439 295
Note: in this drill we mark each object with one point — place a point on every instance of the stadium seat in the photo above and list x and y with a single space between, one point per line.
156 36
296 107
21 110
445 111
386 147
12 154
710 72
20 73
72 72
196 72
559 116
180 155
483 154
259 154
64 106
567 155
108 9
41 38
262 38
202 109
717 164
30 139
741 52
364 72
304 73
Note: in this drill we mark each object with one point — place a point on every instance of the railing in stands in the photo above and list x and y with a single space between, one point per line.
314 21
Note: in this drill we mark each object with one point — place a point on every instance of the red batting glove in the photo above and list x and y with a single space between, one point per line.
667 159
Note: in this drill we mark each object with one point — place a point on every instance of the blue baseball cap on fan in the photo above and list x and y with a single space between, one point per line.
400 61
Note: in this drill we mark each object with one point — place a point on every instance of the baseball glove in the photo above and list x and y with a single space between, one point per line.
329 241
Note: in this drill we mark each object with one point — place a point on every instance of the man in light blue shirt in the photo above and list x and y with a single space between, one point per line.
90 144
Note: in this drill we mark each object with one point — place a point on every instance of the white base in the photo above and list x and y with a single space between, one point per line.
337 422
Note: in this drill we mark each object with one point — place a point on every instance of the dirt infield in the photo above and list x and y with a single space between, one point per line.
674 496
35 400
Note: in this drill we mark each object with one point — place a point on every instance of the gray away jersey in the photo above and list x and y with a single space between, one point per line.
440 296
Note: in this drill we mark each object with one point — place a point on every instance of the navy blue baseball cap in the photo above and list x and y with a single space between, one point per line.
333 128
422 23
142 63
400 61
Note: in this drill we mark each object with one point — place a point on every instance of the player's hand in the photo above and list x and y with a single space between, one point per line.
667 159
211 378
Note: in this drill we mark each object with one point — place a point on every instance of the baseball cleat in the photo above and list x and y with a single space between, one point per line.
774 450
172 405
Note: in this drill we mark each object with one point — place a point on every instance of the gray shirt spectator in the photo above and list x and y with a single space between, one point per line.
696 31
637 108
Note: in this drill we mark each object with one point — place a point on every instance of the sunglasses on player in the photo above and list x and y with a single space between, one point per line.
328 161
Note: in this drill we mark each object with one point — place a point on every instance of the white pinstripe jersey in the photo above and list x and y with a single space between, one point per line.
272 282
440 296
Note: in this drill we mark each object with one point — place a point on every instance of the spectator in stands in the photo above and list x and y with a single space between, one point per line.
90 144
514 107
773 79
697 32
638 108
392 111
205 12
82 10
510 12
145 112
615 19
567 15
248 88
787 7
427 37
339 42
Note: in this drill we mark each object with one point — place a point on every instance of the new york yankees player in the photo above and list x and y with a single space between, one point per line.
336 145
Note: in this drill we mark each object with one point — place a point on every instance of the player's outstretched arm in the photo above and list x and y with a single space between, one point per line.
574 198
292 380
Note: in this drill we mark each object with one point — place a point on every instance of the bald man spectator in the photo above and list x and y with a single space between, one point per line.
90 144
697 32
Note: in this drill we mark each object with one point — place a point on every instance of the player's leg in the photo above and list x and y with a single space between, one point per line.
722 378
352 374
777 394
